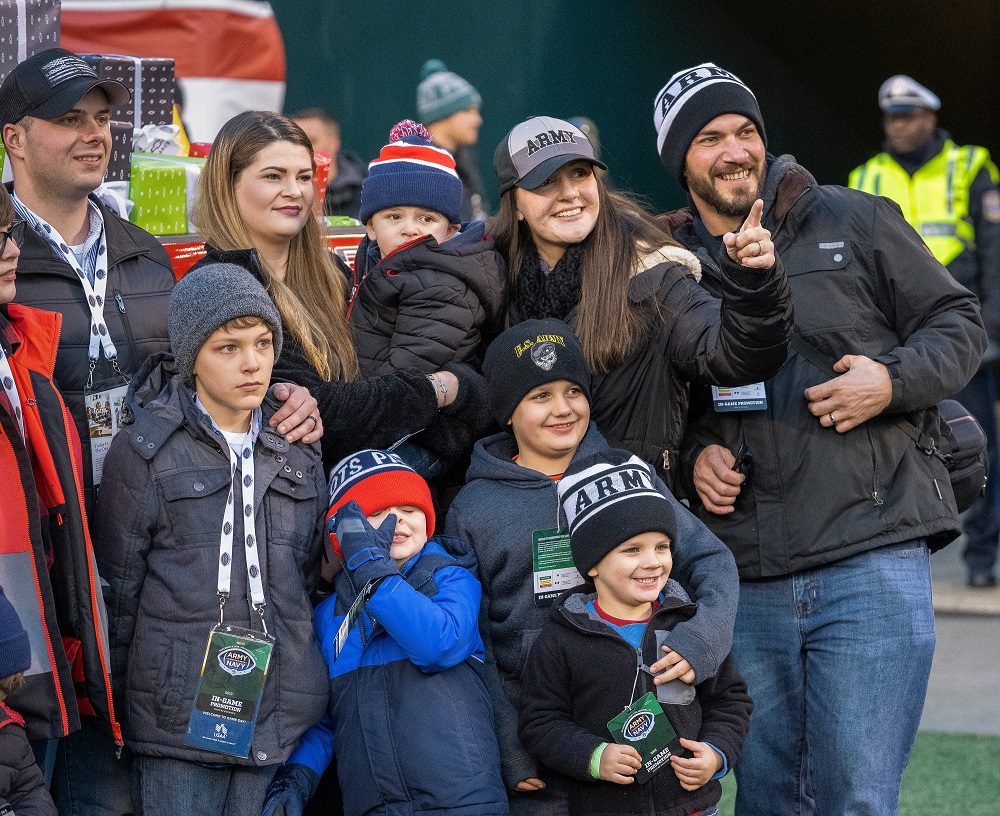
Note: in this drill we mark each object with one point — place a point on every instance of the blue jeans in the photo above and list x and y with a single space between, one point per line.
981 522
89 779
836 660
171 787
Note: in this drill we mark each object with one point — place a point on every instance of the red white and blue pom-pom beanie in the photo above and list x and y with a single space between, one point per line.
411 172
377 479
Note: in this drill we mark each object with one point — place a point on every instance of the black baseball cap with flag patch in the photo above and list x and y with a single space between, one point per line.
536 148
48 85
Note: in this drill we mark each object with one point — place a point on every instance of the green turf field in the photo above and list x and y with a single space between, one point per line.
948 775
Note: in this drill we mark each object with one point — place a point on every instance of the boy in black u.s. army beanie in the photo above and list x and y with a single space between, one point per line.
528 355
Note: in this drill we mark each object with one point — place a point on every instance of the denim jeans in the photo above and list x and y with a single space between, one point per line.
171 787
981 522
552 800
89 778
837 660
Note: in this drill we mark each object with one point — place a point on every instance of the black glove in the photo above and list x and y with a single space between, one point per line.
365 549
293 786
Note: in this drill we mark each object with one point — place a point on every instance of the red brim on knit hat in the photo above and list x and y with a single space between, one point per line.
399 487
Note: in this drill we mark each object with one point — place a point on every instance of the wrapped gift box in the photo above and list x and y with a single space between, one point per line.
162 189
151 81
120 166
41 26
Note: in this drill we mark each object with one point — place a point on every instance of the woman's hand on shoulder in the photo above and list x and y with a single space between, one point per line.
298 417
752 245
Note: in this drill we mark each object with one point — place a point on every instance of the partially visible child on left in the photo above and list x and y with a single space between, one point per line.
409 718
22 786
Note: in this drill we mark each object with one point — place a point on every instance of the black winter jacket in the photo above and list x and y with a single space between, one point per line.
374 413
157 523
580 676
426 304
140 279
642 404
862 283
22 785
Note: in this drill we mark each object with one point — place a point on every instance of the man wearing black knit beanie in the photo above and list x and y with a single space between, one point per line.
828 506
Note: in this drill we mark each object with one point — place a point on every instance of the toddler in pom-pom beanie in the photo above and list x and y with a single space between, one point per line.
425 287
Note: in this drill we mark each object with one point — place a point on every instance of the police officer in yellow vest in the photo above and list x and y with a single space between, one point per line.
949 195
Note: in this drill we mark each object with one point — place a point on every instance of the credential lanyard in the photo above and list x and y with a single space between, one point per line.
10 387
244 464
100 337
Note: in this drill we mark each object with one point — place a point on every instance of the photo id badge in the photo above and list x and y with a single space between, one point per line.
104 414
229 692
645 727
751 397
553 568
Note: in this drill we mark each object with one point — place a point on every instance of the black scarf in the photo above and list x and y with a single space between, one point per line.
552 295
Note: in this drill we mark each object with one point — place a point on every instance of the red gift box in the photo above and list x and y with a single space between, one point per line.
320 179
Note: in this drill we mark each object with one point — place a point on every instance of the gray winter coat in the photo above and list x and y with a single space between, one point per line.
497 512
157 524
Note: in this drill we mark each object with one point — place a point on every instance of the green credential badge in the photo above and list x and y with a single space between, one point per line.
645 727
232 683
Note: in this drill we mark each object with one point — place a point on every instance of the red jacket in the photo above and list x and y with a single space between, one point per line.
61 608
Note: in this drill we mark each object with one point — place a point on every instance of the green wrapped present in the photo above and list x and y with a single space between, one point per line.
163 189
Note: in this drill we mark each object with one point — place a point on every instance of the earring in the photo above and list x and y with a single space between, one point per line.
520 217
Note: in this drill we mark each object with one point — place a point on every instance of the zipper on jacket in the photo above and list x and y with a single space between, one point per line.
871 446
126 324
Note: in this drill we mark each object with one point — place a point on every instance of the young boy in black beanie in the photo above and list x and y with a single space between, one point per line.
22 787
589 708
539 388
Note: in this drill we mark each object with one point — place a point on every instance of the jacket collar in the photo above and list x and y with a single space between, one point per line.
158 404
36 336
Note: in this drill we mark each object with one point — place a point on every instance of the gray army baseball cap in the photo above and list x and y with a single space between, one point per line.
536 148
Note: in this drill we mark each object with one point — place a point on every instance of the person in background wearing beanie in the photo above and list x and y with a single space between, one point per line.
77 258
425 288
43 520
254 208
949 195
22 786
579 253
579 678
409 717
197 457
540 392
449 107
347 170
831 507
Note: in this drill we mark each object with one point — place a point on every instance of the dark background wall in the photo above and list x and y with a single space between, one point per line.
815 68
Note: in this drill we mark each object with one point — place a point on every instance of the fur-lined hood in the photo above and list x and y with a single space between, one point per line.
668 253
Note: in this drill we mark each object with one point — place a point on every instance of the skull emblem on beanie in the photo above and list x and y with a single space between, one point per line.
544 356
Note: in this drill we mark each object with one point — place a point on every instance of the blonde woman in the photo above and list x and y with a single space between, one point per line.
255 209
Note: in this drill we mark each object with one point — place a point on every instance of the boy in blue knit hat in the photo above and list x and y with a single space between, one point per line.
22 787
425 288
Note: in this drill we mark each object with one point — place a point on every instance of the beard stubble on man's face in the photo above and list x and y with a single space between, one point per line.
736 205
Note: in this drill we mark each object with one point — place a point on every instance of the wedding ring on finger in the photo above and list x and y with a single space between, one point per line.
832 420
760 249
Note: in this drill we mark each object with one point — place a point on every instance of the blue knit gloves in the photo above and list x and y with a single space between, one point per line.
365 549
293 786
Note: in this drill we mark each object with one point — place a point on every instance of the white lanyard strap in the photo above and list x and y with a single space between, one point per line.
100 337
244 464
10 387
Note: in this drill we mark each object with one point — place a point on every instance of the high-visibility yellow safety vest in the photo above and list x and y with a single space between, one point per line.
935 199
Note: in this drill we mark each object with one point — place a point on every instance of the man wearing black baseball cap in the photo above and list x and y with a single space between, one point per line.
76 255
831 527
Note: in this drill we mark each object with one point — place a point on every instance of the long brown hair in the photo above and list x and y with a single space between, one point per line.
311 297
609 326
